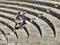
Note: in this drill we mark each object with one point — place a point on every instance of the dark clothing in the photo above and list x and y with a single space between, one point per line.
24 18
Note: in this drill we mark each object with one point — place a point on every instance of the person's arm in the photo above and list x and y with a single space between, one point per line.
29 19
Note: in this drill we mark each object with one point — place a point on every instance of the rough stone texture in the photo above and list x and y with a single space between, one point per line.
34 35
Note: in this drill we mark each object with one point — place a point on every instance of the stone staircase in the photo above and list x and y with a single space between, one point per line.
44 30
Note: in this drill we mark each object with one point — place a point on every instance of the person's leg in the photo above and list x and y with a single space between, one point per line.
24 21
15 27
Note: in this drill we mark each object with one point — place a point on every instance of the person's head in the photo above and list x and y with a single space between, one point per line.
21 13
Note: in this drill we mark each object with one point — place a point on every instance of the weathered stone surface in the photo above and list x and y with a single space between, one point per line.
34 34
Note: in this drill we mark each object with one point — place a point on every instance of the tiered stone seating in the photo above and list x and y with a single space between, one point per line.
52 11
47 3
3 37
38 32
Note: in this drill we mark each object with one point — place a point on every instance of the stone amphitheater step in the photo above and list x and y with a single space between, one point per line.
3 13
39 22
44 29
6 15
2 37
9 15
49 16
34 34
50 4
34 11
22 39
0 13
46 9
11 37
55 22
21 3
18 31
47 3
2 32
